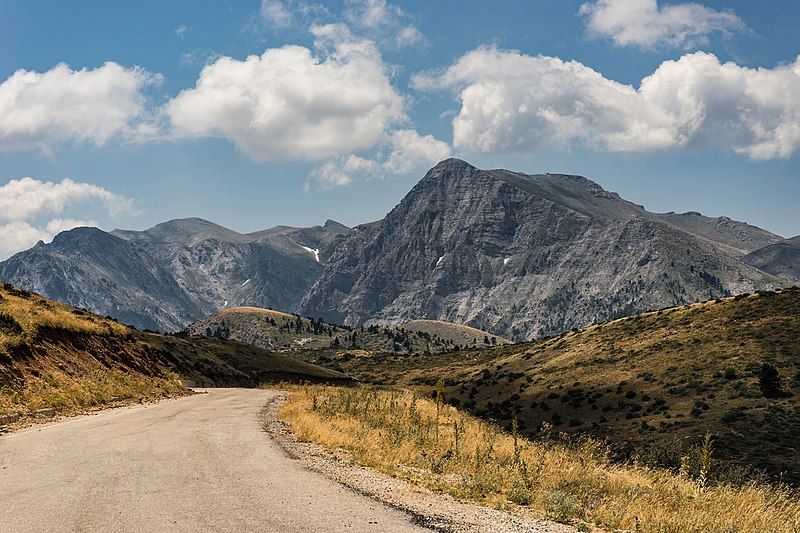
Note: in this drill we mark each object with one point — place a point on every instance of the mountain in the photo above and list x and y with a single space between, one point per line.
525 256
275 330
176 272
651 384
458 334
90 268
521 256
780 259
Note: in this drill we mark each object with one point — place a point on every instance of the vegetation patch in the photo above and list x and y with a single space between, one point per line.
572 481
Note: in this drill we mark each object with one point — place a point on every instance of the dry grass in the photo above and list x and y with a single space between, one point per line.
56 356
652 384
458 333
73 393
435 445
23 314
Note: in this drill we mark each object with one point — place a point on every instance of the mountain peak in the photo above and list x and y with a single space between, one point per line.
80 234
333 225
452 163
187 231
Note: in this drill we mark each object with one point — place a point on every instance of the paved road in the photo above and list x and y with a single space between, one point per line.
200 463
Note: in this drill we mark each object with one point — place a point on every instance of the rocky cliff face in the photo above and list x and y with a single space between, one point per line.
175 273
524 256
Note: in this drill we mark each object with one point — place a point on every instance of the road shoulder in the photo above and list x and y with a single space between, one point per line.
435 510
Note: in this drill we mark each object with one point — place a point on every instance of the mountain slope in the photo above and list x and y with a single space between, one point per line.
56 356
521 256
780 259
176 272
651 383
90 268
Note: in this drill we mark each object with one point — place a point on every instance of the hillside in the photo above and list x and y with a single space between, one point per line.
780 259
526 256
275 330
56 356
458 334
652 384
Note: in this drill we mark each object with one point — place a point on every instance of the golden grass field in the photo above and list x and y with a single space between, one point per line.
652 384
24 314
432 444
56 356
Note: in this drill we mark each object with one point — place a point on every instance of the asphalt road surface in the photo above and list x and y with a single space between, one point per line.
201 463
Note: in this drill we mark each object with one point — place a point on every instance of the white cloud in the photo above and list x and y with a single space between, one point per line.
26 200
43 110
18 236
57 225
643 23
344 170
373 13
385 22
276 13
181 30
410 36
515 102
410 151
290 103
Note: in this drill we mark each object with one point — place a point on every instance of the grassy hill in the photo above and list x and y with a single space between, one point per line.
651 384
456 333
56 356
275 330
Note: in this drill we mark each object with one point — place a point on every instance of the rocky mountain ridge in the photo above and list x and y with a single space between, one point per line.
176 272
527 256
520 256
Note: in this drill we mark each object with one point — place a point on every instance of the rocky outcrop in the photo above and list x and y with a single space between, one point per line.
521 256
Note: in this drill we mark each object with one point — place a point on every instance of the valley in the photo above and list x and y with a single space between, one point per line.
533 308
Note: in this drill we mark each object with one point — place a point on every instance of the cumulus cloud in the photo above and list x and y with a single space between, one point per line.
29 210
646 24
18 236
515 102
43 110
373 13
407 151
384 21
289 103
57 225
411 151
343 171
24 198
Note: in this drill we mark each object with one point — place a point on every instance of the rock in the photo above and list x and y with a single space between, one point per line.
8 419
43 413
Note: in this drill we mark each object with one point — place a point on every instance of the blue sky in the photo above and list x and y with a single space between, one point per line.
377 93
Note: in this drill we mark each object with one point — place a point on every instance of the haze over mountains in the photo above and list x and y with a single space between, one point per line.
518 255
